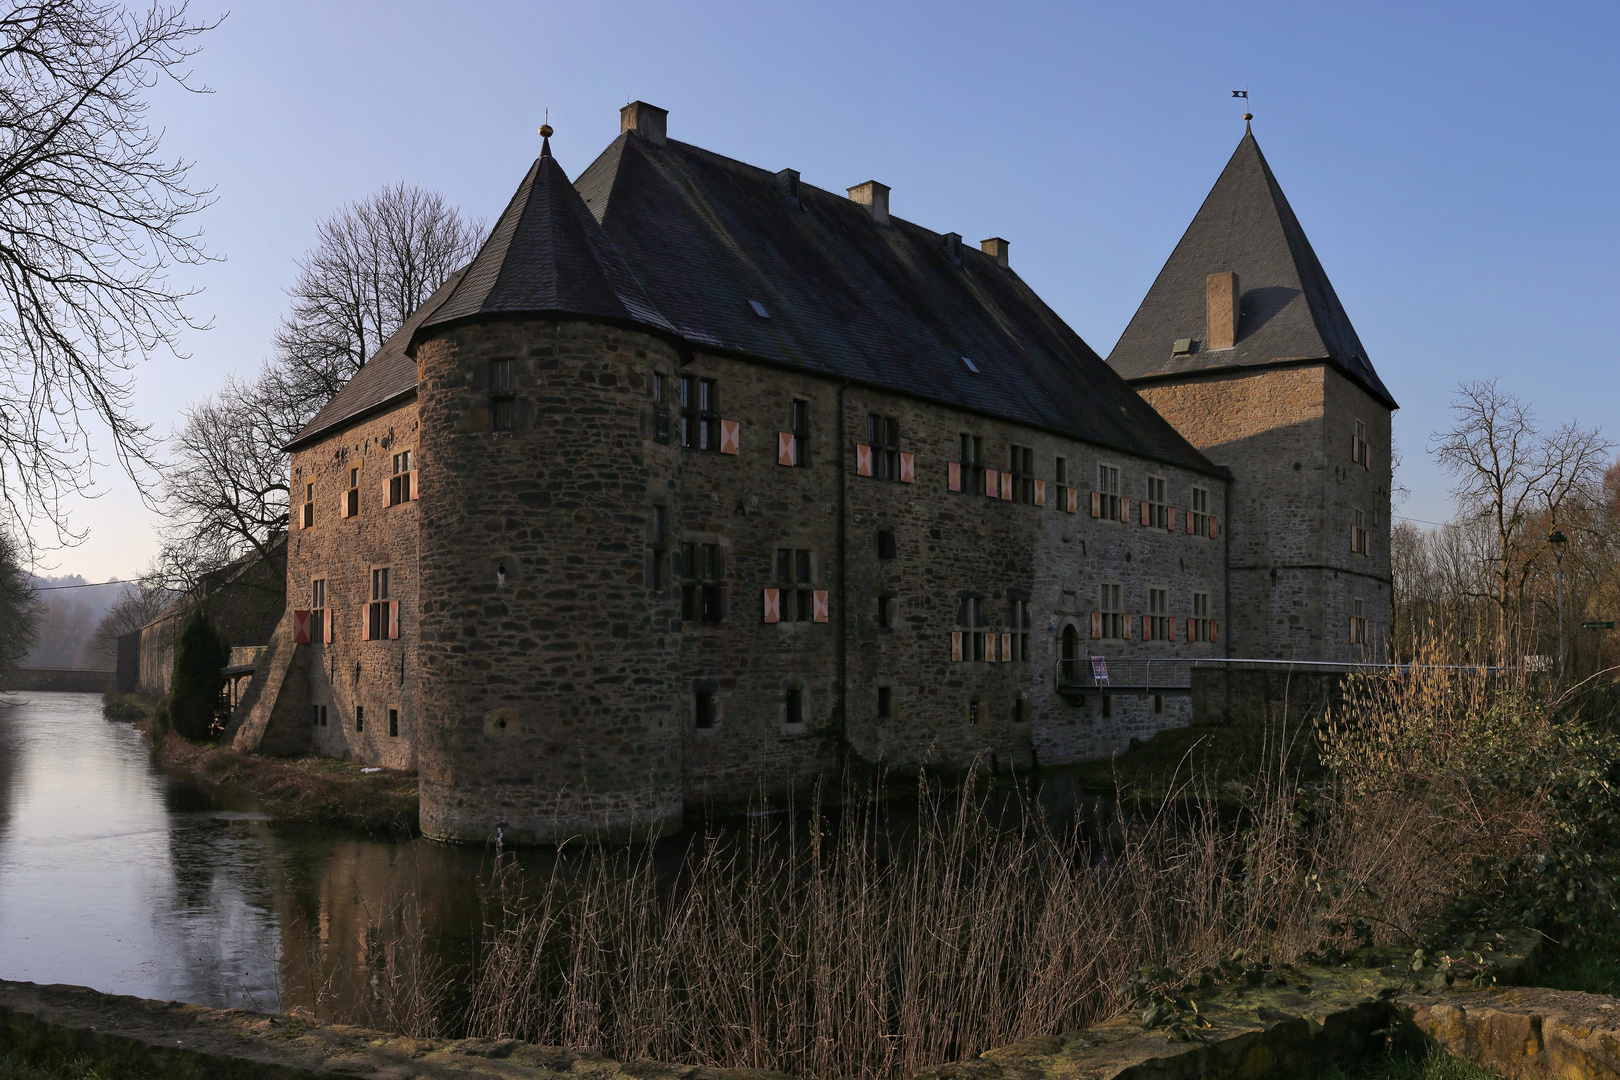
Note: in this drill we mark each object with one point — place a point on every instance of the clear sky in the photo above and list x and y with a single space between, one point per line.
1453 165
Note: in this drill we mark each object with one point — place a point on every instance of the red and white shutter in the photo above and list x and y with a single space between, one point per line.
1213 532
819 605
1145 509
410 486
1006 485
787 448
1006 647
343 505
1191 626
863 460
990 645
1096 504
1172 635
393 620
1130 627
300 628
1096 618
1040 493
956 646
1190 523
365 622
1214 630
1071 500
326 625
955 476
1170 519
908 468
1125 510
773 605
730 436
991 486
391 490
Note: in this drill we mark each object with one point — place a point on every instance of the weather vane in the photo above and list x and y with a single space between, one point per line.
1247 115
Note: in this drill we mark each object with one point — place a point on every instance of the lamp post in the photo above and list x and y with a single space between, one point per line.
1558 540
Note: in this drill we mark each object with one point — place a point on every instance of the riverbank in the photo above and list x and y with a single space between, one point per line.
311 794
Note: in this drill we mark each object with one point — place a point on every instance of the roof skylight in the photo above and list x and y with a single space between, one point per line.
759 309
971 366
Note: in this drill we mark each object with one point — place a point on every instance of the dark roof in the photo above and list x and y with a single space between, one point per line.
1289 309
547 254
389 375
889 307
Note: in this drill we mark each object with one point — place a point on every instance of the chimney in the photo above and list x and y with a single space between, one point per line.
953 247
875 197
787 182
1221 332
648 121
996 248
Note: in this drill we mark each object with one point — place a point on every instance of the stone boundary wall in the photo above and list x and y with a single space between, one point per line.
65 680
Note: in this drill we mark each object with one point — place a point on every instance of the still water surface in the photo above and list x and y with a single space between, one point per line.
123 876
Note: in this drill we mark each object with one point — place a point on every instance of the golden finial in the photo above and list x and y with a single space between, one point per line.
545 128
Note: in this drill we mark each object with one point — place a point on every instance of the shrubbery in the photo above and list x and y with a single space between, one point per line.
193 703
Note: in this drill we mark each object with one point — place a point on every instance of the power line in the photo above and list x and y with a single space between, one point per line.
87 585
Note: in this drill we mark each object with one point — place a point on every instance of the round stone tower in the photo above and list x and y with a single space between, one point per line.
548 663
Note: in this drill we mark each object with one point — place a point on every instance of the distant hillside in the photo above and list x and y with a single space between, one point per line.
71 616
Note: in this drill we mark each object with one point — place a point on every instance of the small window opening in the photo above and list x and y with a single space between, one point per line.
1107 706
888 612
886 548
503 395
799 421
658 550
359 718
393 723
793 706
703 709
885 703
1158 703
660 394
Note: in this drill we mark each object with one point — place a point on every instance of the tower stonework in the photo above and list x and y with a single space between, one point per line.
549 675
1280 392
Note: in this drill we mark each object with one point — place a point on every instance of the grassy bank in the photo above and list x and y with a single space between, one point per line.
308 794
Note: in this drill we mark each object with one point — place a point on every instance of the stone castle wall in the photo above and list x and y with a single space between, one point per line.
353 673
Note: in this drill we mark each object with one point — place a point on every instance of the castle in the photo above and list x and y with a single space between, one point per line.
699 479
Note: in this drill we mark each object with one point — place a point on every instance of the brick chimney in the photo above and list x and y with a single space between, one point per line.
648 121
875 197
996 248
1222 295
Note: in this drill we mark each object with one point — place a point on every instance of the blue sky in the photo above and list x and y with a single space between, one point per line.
1453 165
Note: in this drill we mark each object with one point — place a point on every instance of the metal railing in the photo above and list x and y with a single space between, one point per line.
1154 674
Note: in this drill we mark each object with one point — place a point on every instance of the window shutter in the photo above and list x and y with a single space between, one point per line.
1130 627
1189 523
1355 540
730 436
343 505
391 491
1071 500
1191 625
1006 486
1172 625
990 646
393 620
863 460
955 472
1040 493
326 625
1213 532
407 486
1096 504
908 468
1144 512
365 622
1125 510
1006 647
1170 519
786 448
1352 630
819 604
956 646
991 487
773 605
300 628
1096 618
1214 630
309 515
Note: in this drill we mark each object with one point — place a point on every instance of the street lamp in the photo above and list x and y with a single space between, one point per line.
1558 540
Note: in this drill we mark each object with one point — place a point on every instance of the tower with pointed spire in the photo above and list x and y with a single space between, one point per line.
1242 344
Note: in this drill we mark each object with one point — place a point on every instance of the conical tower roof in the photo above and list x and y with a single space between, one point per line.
1290 312
547 255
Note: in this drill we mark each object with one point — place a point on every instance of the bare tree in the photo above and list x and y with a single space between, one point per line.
225 492
1509 475
376 260
19 608
90 221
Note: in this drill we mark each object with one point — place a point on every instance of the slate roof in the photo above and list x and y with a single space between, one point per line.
888 307
389 376
1289 309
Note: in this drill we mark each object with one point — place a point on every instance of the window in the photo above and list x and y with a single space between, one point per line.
1358 447
885 544
399 485
793 706
703 593
888 612
658 550
660 395
1158 511
885 703
1018 624
1022 460
379 613
1070 667
700 416
1062 471
975 710
1158 703
1198 625
1358 623
703 709
1157 627
317 610
970 453
393 723
971 618
1110 619
1200 511
320 715
883 435
309 506
1107 706
359 718
1359 541
796 574
351 498
1108 489
800 426
503 395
